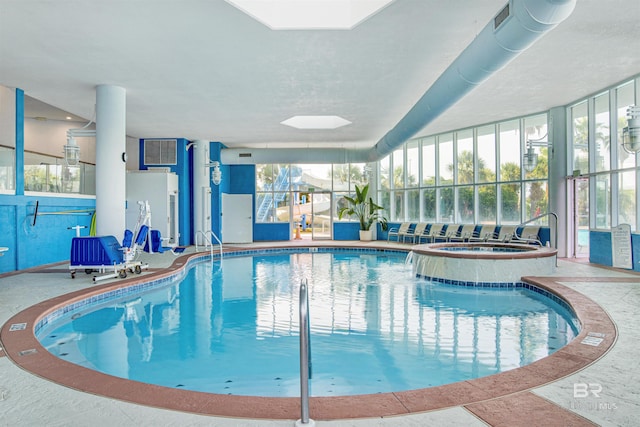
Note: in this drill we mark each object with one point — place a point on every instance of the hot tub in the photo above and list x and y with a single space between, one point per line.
471 264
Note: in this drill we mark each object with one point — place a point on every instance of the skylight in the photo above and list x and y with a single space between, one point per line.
316 122
310 14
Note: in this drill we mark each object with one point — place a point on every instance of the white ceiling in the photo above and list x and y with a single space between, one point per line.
203 69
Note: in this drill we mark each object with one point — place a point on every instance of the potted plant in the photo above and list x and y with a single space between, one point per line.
365 210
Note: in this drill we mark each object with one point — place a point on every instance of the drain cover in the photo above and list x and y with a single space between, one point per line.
17 327
593 339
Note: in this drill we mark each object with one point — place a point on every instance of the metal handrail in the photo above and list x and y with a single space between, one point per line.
555 228
210 243
305 356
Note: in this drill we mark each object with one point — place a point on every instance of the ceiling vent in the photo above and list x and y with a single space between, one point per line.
501 17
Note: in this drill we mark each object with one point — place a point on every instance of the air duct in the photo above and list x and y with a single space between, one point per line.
516 27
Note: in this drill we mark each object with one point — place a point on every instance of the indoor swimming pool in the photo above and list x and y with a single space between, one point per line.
231 326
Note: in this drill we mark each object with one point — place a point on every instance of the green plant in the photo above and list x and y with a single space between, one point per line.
364 209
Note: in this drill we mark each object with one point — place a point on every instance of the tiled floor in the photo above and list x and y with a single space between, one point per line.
601 393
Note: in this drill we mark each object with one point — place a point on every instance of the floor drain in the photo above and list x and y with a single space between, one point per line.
17 327
28 352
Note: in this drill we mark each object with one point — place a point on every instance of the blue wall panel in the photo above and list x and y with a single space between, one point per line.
243 179
19 142
49 240
384 235
346 231
600 247
635 251
9 261
263 232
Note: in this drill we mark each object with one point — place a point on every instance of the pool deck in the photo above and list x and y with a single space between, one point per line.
582 384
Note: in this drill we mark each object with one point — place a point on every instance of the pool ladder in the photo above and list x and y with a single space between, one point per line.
305 357
208 241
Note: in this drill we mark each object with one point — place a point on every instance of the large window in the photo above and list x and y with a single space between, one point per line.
429 162
52 175
625 98
601 133
596 132
460 182
464 158
283 190
445 159
580 132
7 169
273 183
487 153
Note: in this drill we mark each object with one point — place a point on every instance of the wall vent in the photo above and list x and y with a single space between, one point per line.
160 151
501 17
244 155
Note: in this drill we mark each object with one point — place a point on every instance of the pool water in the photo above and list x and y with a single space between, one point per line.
231 327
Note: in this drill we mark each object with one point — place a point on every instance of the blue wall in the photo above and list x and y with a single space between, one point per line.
217 190
347 231
265 232
49 240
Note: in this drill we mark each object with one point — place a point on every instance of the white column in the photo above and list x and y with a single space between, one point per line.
557 132
110 163
201 190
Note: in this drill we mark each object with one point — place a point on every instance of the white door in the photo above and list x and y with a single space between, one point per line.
237 218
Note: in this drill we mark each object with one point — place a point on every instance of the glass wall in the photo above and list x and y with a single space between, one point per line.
460 182
580 137
597 124
273 185
283 190
49 174
7 169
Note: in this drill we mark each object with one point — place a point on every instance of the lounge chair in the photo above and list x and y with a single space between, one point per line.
528 235
485 233
399 231
464 233
416 233
432 232
505 234
451 231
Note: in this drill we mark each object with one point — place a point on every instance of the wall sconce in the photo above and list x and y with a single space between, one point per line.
631 133
530 158
216 173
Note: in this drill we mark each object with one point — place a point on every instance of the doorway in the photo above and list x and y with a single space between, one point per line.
580 226
237 218
321 215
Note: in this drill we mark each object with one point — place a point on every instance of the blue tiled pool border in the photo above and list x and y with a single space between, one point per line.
99 299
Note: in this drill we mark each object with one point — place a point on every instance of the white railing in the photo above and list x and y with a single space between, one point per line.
305 357
555 228
209 242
